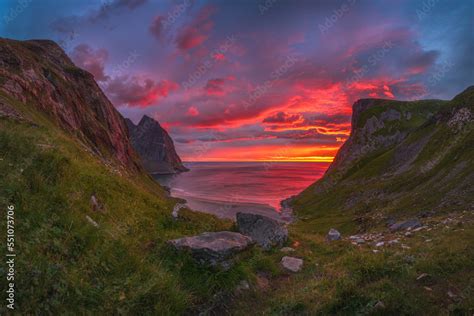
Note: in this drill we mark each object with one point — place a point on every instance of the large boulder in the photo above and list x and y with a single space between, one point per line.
264 231
216 248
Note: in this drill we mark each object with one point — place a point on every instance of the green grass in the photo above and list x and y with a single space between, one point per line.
65 264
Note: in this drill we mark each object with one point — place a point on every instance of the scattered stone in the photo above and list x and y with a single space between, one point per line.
408 234
392 242
95 204
405 247
93 222
296 244
452 295
422 276
292 264
409 224
428 288
375 250
409 259
242 286
264 231
214 248
176 209
287 249
333 234
379 244
418 229
360 241
379 305
262 282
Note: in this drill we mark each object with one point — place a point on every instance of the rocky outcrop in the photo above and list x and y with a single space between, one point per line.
213 249
376 126
39 73
265 231
155 147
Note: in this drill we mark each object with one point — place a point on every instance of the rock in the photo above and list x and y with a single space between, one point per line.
333 234
287 249
409 224
379 305
243 286
214 248
263 230
360 241
292 264
154 146
379 244
422 276
176 209
93 222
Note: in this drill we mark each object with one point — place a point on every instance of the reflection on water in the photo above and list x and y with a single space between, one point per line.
225 188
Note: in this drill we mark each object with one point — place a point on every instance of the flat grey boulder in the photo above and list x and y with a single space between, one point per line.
292 264
265 231
409 224
333 235
214 248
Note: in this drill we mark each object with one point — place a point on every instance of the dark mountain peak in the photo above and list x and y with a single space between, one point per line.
155 147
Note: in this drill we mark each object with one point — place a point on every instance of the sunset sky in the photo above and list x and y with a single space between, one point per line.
256 80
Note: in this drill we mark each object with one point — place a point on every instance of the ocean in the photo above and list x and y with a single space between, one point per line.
225 188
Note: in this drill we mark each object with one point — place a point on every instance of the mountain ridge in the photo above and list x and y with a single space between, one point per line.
40 73
155 147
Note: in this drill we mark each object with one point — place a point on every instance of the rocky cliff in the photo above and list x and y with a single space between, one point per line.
38 73
401 158
155 147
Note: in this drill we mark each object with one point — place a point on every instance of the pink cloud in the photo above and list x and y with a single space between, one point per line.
134 91
195 33
91 60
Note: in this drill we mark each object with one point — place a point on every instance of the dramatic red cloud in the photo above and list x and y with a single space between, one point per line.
283 118
192 111
195 33
91 60
135 91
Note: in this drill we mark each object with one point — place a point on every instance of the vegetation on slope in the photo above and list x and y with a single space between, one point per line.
64 263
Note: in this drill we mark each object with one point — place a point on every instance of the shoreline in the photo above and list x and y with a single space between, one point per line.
229 209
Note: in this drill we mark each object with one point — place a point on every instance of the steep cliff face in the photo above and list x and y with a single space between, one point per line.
40 74
401 158
155 147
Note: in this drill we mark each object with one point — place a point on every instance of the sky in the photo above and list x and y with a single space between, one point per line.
261 80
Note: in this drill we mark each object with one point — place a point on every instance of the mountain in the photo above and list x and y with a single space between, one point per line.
401 159
155 147
64 150
38 72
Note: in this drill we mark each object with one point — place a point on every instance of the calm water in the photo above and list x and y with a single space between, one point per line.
225 188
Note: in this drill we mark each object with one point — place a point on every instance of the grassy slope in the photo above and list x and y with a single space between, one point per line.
66 264
343 279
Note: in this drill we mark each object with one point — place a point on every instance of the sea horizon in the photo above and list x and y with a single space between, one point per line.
224 188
